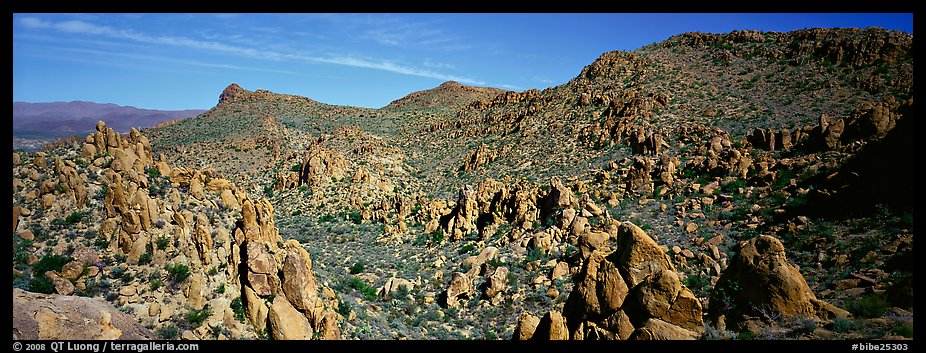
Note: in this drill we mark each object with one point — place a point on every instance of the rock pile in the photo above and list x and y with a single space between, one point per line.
632 292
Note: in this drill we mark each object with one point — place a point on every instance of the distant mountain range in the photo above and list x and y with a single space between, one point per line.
61 119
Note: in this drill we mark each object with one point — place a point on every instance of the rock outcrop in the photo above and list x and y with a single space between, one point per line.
632 292
759 283
60 317
297 310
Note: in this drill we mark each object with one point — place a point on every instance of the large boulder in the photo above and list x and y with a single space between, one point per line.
552 326
287 323
632 292
299 284
59 317
600 290
638 255
461 286
527 325
760 282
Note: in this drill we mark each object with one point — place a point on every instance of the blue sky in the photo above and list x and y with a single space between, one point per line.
183 61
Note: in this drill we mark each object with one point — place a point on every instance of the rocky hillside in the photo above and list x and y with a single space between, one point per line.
449 94
711 186
181 251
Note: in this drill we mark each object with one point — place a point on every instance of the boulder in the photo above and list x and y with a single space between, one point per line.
497 282
655 329
62 285
299 284
58 317
16 210
638 255
760 278
392 285
72 270
552 326
287 323
461 286
527 325
600 290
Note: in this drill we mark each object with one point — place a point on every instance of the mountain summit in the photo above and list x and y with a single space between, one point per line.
450 94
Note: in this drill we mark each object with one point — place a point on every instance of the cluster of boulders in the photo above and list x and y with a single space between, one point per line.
155 217
631 292
279 288
477 158
868 120
480 279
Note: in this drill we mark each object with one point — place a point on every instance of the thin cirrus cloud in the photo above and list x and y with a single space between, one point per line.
82 27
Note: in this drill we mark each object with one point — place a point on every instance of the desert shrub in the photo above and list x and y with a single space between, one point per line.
238 308
843 325
145 258
50 263
366 290
41 284
162 242
868 306
195 318
355 217
534 255
168 332
358 267
74 218
437 236
177 273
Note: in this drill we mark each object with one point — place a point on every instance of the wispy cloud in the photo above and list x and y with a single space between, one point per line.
437 65
543 80
176 61
509 87
82 27
392 67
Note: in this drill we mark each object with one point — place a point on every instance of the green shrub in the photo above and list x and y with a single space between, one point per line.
20 250
344 308
168 332
843 325
355 217
697 283
366 290
437 236
155 284
154 173
268 190
238 308
162 242
50 263
195 318
177 273
535 254
42 284
74 218
145 258
467 248
358 267
101 243
868 306
733 186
